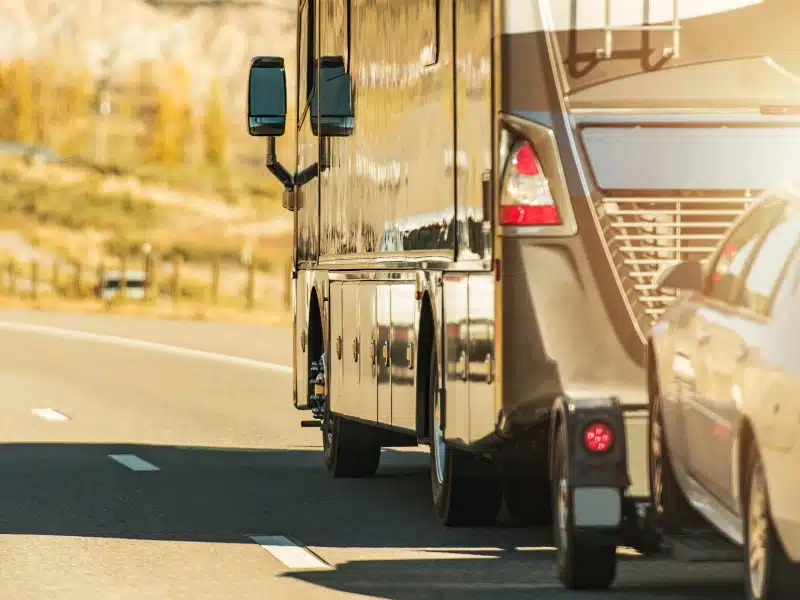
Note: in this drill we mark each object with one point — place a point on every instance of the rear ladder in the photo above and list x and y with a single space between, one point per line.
675 28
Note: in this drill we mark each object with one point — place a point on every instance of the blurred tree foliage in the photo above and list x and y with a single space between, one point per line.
23 101
172 126
214 127
151 120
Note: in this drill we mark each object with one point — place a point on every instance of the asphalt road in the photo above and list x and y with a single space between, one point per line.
233 464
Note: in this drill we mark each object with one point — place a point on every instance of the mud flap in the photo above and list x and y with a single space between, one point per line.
597 482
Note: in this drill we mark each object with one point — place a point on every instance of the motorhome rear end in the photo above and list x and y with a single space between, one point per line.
482 196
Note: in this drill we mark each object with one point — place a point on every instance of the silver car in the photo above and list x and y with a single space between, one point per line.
724 376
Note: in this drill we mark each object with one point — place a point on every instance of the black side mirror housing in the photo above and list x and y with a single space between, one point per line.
687 275
266 97
334 96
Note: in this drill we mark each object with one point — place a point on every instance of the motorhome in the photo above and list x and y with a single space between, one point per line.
483 192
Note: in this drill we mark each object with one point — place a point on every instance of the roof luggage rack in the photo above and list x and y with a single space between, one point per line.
675 28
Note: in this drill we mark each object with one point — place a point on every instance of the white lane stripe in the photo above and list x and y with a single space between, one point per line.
133 462
141 344
289 553
48 414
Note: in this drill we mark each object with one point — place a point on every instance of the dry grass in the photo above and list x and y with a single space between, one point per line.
84 211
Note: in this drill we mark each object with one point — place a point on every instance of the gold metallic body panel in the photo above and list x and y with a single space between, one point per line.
404 315
483 411
456 331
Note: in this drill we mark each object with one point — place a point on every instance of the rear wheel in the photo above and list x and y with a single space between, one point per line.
466 488
769 573
528 499
581 566
351 449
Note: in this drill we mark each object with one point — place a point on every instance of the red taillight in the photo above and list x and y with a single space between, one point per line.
522 214
525 196
598 438
525 162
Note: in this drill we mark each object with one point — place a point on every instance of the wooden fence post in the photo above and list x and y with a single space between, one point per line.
215 269
148 276
12 277
34 279
77 271
56 279
176 277
251 285
287 293
123 278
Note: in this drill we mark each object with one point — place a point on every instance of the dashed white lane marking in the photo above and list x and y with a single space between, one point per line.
133 343
289 553
133 462
48 414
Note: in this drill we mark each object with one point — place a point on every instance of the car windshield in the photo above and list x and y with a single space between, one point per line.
730 51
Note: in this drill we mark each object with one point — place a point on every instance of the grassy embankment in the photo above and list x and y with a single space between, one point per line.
78 211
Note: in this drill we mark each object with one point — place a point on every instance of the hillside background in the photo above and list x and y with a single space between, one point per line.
122 125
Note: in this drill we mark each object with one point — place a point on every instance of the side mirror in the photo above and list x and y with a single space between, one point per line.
687 275
266 97
334 95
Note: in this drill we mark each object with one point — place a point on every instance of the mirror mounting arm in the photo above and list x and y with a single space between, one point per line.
308 174
276 168
279 171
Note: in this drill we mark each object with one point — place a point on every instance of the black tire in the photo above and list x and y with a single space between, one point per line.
780 579
672 510
581 566
350 449
470 491
528 499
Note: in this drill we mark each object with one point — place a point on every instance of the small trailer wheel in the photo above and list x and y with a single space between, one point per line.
581 565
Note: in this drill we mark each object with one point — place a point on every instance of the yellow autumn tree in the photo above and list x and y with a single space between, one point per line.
6 104
74 112
46 90
214 127
172 126
24 101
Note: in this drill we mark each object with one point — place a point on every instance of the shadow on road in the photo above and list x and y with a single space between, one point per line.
226 494
223 494
502 576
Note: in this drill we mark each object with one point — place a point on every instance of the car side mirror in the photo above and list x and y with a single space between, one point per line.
266 97
688 275
335 116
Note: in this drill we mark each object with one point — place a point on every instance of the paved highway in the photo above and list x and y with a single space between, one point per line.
135 470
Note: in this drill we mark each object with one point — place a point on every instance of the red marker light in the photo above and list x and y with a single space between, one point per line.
598 438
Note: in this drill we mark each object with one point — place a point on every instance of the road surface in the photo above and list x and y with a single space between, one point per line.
183 474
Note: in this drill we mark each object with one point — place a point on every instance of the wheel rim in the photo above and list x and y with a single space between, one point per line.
757 519
562 513
656 460
327 431
438 435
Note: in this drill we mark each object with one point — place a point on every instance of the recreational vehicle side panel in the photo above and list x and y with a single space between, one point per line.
389 190
307 211
474 115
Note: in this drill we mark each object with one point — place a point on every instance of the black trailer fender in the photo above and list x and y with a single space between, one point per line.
597 481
